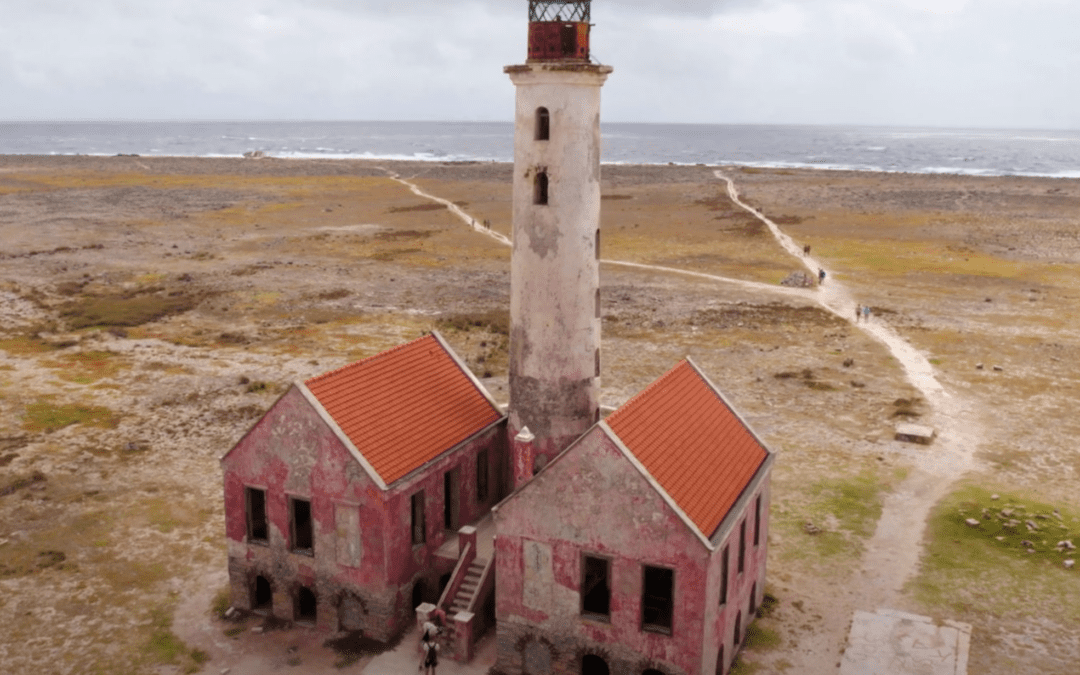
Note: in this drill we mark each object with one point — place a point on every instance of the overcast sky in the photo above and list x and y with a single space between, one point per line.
950 63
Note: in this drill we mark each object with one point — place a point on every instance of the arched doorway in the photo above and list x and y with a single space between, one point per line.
305 605
263 599
591 664
418 593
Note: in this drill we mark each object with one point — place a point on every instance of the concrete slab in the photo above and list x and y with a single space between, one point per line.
890 642
915 433
406 658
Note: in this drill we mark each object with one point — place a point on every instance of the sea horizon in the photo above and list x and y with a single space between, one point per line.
899 149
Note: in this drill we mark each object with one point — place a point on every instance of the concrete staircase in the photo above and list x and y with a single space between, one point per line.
463 599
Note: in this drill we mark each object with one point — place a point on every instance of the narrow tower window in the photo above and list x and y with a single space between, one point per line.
757 521
742 546
543 124
418 530
540 188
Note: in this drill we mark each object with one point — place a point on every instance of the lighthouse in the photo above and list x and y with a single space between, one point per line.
555 271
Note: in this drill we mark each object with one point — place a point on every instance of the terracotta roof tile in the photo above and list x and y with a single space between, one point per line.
404 407
691 442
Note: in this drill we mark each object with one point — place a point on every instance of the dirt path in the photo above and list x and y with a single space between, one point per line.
892 554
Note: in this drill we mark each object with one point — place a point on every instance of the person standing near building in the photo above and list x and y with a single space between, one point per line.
430 659
858 312
866 313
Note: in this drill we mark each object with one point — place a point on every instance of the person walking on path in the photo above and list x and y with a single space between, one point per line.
806 249
858 312
866 313
430 660
820 276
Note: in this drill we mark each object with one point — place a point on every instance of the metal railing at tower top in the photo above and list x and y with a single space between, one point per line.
560 10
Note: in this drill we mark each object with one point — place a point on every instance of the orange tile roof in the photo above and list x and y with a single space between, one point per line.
405 406
691 442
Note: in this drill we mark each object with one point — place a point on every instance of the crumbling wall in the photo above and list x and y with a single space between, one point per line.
592 500
363 565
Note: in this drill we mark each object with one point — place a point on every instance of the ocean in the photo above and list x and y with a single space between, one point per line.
992 152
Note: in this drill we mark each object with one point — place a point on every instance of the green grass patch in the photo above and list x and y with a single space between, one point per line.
1001 565
493 321
46 416
28 344
86 367
165 648
834 517
125 309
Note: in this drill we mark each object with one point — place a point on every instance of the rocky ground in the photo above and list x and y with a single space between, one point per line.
152 309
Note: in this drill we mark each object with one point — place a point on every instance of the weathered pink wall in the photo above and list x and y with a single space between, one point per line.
592 500
291 451
720 620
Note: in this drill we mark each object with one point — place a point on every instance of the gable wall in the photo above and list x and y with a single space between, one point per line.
592 500
292 452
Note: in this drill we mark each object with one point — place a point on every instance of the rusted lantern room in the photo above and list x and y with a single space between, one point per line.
559 30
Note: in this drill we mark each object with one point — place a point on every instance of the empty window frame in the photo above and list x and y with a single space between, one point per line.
657 599
300 525
418 530
543 124
482 476
596 587
257 529
742 546
757 521
725 556
540 188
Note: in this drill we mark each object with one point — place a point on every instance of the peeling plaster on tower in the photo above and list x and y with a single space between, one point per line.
555 272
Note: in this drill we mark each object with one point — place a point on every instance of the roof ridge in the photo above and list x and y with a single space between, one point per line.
373 357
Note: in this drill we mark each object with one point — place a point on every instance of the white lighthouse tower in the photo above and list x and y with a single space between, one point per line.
555 271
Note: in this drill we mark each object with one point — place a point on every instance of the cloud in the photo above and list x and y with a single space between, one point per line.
999 62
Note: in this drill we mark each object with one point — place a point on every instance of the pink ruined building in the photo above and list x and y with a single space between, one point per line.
394 489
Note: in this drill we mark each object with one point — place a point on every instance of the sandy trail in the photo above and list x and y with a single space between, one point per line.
892 554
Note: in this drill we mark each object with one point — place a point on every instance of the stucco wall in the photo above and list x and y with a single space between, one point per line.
720 619
555 325
592 500
292 452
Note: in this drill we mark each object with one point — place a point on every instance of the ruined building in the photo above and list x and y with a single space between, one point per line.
395 487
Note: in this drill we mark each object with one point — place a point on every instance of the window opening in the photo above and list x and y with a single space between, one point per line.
543 124
724 575
657 599
652 671
569 40
598 303
595 587
591 664
742 546
451 498
305 605
301 525
720 661
738 628
482 476
540 188
753 599
418 534
596 246
597 358
757 521
257 529
264 595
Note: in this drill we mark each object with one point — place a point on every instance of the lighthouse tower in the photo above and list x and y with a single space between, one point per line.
555 271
